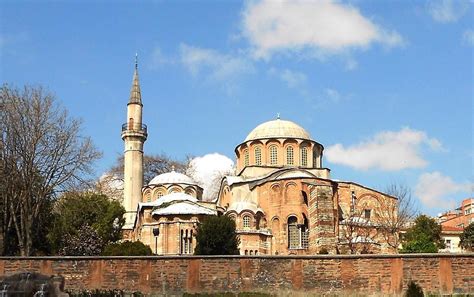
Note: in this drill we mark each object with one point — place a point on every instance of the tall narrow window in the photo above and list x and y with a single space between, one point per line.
304 157
246 222
367 213
289 156
246 157
258 156
293 233
273 155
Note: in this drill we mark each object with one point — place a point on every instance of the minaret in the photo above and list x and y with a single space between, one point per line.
134 134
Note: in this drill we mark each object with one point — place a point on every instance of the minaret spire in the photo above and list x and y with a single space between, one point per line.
134 134
135 93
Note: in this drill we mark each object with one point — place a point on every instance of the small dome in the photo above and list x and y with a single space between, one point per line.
278 129
172 177
240 206
173 197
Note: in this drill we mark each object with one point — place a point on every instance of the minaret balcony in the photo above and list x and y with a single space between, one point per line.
132 129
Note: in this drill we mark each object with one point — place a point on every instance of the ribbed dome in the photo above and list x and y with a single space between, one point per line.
172 177
278 129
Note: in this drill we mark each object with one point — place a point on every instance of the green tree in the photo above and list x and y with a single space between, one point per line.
423 237
467 238
217 236
75 210
127 248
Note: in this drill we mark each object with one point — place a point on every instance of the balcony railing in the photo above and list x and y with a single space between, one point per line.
134 128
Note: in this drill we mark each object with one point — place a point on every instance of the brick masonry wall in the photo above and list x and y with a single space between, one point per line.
321 274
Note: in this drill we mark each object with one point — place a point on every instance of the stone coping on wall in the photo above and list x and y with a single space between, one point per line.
177 257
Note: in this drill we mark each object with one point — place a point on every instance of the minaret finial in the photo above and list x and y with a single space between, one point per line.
135 93
278 115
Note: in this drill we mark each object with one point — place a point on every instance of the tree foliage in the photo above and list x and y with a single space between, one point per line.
41 152
127 248
423 237
73 211
467 238
85 242
216 235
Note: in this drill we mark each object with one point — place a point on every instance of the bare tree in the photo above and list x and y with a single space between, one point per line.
42 152
358 232
397 215
111 182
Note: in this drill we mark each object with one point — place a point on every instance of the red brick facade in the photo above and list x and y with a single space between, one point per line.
348 274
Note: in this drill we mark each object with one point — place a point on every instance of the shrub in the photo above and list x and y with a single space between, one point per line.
127 248
217 236
414 290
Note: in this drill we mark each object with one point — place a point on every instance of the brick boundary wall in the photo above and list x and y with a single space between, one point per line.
282 275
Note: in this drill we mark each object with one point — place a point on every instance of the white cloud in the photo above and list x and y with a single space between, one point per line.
333 95
447 11
437 190
158 58
217 66
208 171
387 150
323 27
468 37
293 79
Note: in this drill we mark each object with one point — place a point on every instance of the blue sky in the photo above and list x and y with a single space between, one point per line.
385 86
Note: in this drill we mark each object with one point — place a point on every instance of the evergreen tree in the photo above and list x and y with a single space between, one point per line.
467 238
423 237
217 236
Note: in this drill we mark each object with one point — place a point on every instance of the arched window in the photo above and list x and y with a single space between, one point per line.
186 241
290 159
246 157
258 156
246 221
293 233
273 155
304 156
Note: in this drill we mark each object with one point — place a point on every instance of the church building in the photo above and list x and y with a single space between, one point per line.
281 197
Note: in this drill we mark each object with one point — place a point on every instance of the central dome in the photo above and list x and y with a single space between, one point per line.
278 129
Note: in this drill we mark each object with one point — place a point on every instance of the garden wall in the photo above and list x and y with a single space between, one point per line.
322 274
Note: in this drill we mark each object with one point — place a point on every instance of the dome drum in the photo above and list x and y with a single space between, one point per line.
279 143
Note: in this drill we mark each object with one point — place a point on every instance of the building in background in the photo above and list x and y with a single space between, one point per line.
281 197
453 223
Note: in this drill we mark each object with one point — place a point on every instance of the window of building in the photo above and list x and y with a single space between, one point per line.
258 156
273 155
160 194
304 157
447 242
290 160
186 241
246 157
367 213
468 211
293 233
246 221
